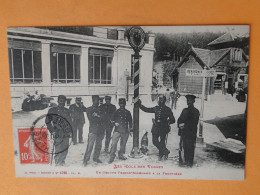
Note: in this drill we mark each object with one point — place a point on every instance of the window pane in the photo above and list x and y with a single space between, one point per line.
37 61
27 58
103 69
10 63
97 69
18 70
109 70
61 65
54 67
69 67
90 69
77 67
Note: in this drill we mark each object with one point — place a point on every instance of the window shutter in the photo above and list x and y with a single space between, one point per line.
101 52
24 44
70 49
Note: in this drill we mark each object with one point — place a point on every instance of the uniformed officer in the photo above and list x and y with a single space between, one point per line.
55 118
96 131
161 124
122 120
77 115
187 123
108 110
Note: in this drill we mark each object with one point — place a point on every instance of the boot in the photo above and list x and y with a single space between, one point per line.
122 157
97 160
166 153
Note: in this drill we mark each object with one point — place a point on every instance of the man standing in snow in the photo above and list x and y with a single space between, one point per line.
187 123
122 120
161 125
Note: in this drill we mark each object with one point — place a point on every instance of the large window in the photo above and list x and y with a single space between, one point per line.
25 66
100 67
65 64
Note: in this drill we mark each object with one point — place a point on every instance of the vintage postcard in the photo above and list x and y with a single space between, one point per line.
166 102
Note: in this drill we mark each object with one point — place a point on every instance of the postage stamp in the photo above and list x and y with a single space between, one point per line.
28 152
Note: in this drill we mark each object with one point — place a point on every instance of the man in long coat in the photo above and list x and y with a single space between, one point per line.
56 120
187 123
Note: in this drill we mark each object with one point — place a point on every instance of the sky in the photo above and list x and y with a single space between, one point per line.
240 29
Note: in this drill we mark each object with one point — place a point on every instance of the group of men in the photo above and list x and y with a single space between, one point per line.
104 118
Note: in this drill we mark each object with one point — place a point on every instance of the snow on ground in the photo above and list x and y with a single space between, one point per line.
206 159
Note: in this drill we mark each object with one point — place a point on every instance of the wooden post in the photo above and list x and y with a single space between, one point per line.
200 139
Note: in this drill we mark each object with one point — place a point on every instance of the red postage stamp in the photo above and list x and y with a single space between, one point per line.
29 152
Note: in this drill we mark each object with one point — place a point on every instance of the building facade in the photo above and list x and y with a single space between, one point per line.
229 63
75 61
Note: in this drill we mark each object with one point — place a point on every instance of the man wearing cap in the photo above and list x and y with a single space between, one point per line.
108 110
187 123
122 120
77 115
96 131
56 117
161 124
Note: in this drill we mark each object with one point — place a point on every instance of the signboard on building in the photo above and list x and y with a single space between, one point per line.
199 73
194 72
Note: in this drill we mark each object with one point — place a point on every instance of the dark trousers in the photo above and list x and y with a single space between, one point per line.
61 146
77 130
189 148
93 139
108 130
160 145
123 140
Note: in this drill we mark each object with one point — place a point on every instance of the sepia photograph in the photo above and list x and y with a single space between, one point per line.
157 102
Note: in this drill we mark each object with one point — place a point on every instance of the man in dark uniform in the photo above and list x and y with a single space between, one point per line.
55 118
161 124
108 110
96 131
187 123
122 120
77 115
